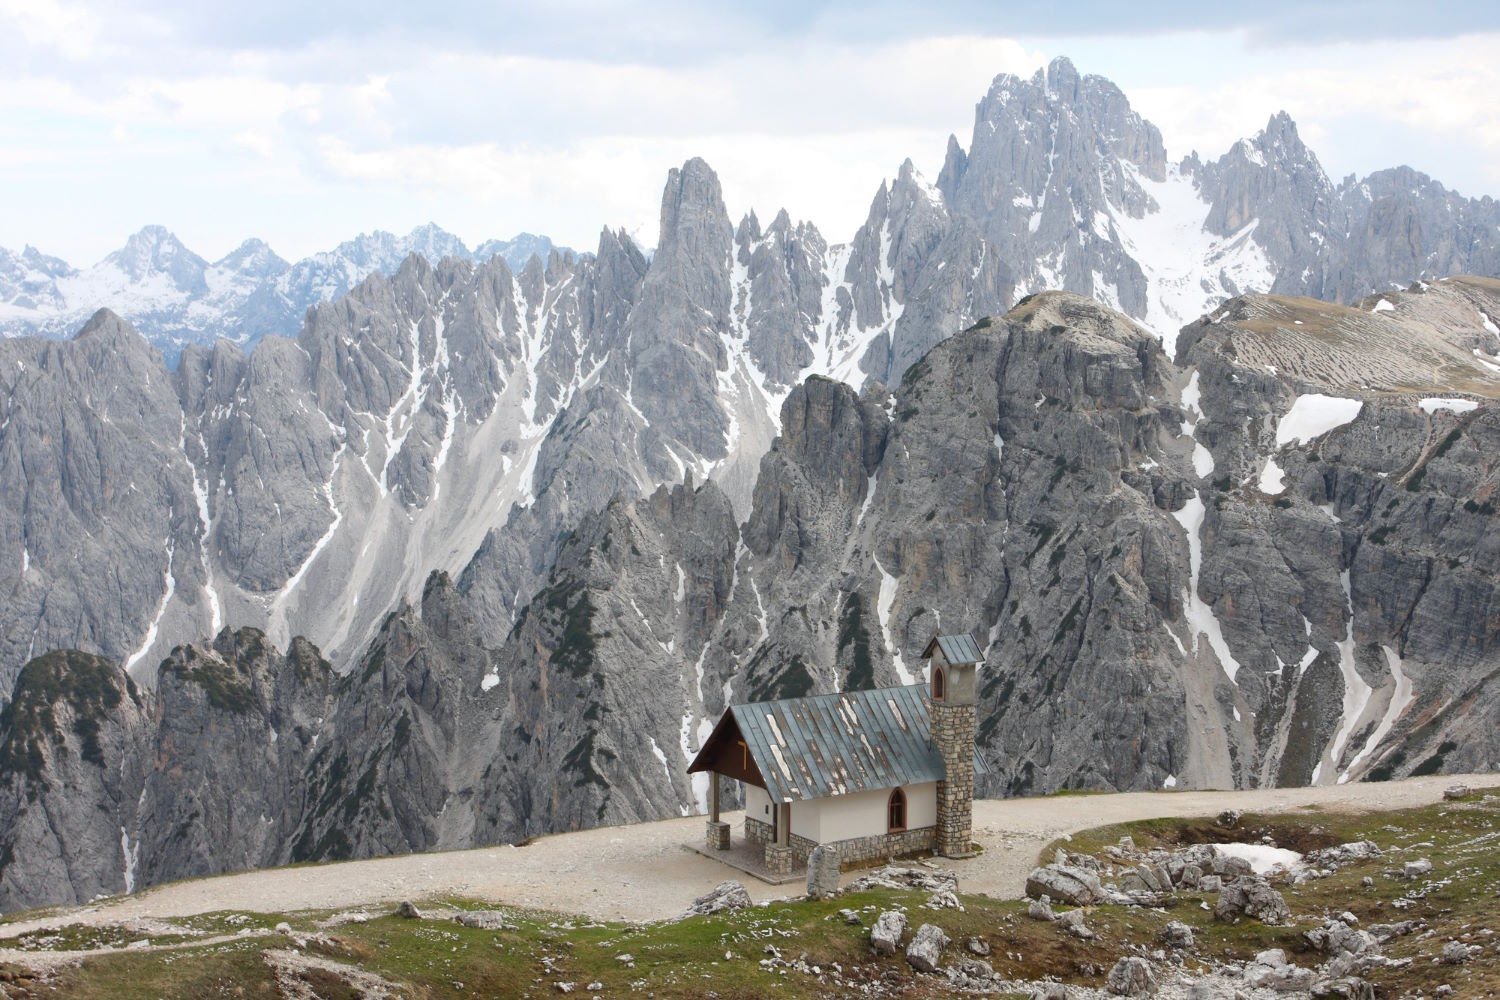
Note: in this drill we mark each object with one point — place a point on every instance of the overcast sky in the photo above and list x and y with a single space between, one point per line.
305 123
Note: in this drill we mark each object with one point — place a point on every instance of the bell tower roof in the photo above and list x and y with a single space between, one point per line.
957 650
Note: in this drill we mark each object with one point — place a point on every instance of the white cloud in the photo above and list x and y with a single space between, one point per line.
319 140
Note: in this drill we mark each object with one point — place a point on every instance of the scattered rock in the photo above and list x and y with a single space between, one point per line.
1051 991
727 895
1343 988
977 946
1072 922
486 920
975 968
1230 866
409 910
1211 883
885 936
1041 909
1131 977
283 928
1230 818
850 917
1271 970
1177 935
1190 877
1455 953
1253 897
1065 884
823 872
926 948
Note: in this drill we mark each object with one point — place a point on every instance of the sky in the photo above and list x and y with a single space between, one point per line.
304 124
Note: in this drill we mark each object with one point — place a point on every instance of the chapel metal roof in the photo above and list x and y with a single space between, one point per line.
956 648
837 744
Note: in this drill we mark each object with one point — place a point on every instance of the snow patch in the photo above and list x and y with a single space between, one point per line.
1401 699
490 680
1272 479
1171 781
887 598
1383 306
132 857
1313 415
1356 692
1200 616
1456 405
169 587
1263 859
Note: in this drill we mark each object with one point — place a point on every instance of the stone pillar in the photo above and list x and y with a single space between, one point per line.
718 836
953 737
778 859
823 871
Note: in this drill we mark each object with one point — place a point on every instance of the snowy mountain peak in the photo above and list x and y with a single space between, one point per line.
156 250
254 257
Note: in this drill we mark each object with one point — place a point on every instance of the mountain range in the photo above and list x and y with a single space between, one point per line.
481 552
174 297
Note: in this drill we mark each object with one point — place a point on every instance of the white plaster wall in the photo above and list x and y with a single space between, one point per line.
863 814
758 803
807 818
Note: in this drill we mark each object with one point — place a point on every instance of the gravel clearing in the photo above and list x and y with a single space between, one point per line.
644 872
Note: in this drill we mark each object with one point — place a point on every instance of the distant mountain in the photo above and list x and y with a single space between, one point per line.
174 298
544 523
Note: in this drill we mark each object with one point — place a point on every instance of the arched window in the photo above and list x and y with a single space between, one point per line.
939 683
896 811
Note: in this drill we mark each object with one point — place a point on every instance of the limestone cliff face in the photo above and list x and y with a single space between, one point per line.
1266 562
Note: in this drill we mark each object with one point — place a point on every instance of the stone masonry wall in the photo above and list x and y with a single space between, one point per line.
953 735
854 850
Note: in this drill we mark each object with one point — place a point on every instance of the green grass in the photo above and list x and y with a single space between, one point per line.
722 954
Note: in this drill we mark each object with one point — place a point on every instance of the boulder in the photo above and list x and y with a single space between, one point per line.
1051 991
823 872
1177 935
1131 977
1191 876
977 946
1253 897
1065 884
1229 866
1455 953
409 910
1416 869
727 895
1271 970
1455 792
1230 818
1041 909
926 948
885 936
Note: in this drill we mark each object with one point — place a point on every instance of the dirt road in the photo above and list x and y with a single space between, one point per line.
644 873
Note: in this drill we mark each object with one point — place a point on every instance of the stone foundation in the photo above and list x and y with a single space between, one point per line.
779 860
853 851
717 836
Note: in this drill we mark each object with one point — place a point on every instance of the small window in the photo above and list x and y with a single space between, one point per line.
939 683
896 811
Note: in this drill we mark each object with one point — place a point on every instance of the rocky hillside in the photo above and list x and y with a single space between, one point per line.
1271 550
454 408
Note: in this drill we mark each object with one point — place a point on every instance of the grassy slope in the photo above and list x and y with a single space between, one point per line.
438 958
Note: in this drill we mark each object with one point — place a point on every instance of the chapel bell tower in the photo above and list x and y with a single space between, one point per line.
952 663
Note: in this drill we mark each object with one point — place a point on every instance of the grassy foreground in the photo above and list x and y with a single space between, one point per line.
806 948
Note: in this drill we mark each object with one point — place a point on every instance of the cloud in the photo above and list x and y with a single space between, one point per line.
315 121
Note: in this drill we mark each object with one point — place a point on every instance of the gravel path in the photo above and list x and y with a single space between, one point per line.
644 872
